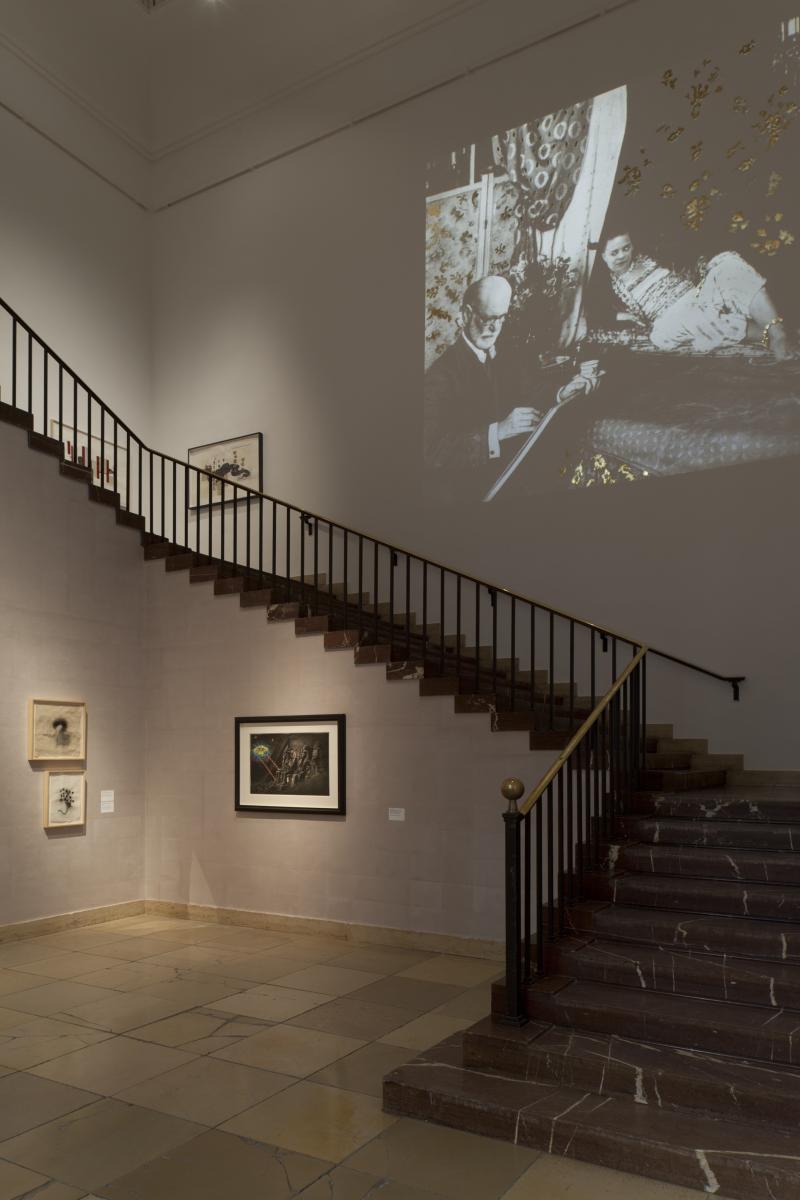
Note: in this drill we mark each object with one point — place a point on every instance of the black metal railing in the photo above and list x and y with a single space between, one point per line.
561 831
543 668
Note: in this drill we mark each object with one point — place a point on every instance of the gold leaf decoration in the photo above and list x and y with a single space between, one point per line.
697 150
774 182
748 47
669 79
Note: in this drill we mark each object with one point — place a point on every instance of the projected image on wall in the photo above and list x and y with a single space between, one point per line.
610 287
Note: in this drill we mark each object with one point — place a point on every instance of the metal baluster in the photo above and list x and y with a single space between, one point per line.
477 635
552 674
408 606
274 540
174 503
346 570
360 584
551 864
539 895
45 382
235 511
571 675
186 507
14 340
512 700
533 658
570 770
30 378
458 625
443 633
527 862
493 598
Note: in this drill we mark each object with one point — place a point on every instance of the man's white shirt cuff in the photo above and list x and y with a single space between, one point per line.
494 441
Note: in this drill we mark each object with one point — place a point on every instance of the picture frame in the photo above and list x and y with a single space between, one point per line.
56 731
76 448
291 764
238 460
64 798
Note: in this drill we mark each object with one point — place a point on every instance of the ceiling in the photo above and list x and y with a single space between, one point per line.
132 87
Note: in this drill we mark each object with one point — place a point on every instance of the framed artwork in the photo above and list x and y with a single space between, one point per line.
64 798
291 764
237 460
99 456
57 731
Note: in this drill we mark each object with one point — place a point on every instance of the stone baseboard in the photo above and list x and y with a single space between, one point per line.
73 920
437 943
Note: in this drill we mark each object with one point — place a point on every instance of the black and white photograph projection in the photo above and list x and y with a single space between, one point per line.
609 287
290 764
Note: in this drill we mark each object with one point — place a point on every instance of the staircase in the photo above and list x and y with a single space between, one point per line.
665 1033
661 1031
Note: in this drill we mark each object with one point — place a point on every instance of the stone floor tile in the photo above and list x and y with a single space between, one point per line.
210 1045
76 939
50 998
135 948
262 968
41 1039
333 981
450 968
459 1165
475 1004
113 1065
89 1147
290 1051
419 994
9 1019
18 1181
383 960
60 1191
312 1119
127 976
270 1003
206 958
233 937
207 1090
192 993
219 1166
16 954
354 1018
184 1027
364 1069
27 1101
68 966
566 1179
17 980
120 1011
426 1031
311 949
343 1184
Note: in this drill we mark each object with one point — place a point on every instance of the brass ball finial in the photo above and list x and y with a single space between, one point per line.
512 789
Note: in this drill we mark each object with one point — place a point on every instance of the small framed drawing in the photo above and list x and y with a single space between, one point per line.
237 461
290 764
64 798
57 731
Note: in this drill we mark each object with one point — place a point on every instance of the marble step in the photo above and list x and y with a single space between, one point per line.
767 836
740 1160
744 937
723 804
695 1023
670 969
698 895
668 762
680 781
607 1065
751 865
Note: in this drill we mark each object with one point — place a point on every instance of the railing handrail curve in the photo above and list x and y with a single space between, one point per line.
733 680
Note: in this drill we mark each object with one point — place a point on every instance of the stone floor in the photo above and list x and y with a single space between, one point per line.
153 1058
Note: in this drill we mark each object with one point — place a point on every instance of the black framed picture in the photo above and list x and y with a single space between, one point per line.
236 461
291 764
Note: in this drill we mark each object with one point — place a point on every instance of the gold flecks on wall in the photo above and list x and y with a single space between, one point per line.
669 79
748 47
697 150
738 223
667 190
694 212
774 182
734 149
769 241
746 164
740 104
773 123
630 179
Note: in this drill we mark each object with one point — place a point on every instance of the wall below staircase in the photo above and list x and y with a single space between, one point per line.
71 611
441 871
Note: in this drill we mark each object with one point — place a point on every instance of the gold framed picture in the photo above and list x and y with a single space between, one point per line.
57 731
64 798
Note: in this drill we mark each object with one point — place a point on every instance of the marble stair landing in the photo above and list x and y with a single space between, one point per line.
665 1034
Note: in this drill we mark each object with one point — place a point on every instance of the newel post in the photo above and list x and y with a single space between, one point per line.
512 790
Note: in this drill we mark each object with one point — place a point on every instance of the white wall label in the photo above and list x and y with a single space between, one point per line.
106 802
397 814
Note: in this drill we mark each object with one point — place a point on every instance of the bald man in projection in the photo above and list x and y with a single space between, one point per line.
473 420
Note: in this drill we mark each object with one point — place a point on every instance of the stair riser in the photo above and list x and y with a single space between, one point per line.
681 781
716 807
711 864
674 1029
695 896
637 967
633 1071
590 1129
750 835
708 934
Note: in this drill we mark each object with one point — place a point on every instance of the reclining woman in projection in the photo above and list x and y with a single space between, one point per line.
729 305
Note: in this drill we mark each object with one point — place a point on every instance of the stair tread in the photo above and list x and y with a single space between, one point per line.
747 937
733 864
698 894
575 1123
608 1064
723 803
681 831
679 970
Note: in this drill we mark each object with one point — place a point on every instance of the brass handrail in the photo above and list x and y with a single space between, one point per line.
579 735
